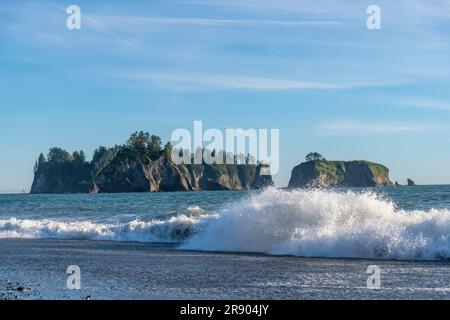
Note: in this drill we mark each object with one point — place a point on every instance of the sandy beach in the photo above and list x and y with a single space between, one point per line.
36 269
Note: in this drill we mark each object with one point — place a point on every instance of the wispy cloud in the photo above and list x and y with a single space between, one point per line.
345 126
207 81
420 8
423 103
298 6
438 8
143 20
97 25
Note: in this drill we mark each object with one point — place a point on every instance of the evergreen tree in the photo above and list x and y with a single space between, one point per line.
154 147
59 155
314 156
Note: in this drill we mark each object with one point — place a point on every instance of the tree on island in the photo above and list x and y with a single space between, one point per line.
145 145
79 157
39 163
314 156
102 157
154 147
138 142
59 155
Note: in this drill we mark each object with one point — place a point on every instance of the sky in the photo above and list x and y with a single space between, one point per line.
311 69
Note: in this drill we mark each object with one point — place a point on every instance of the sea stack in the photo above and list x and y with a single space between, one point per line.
319 172
141 165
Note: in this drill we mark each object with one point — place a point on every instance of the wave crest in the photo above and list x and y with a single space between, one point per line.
320 223
172 230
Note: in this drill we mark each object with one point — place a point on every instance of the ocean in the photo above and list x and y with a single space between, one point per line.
272 243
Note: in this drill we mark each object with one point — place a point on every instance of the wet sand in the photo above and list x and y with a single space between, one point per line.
36 269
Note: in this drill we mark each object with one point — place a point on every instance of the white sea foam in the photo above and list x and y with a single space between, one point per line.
311 223
319 223
196 210
173 229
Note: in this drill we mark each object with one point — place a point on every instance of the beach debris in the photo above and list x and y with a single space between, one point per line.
17 287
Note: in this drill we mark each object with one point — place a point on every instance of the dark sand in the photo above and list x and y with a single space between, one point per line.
119 270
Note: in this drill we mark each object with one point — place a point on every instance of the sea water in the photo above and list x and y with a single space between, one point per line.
398 223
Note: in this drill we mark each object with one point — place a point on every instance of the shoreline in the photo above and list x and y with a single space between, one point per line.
36 269
175 246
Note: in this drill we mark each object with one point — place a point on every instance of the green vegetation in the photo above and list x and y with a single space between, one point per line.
141 164
333 169
65 170
314 156
102 157
377 169
338 169
320 172
144 146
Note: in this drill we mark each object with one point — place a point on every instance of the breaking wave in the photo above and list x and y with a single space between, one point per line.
172 230
310 223
320 223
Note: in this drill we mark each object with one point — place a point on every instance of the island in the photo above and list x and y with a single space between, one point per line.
319 172
140 165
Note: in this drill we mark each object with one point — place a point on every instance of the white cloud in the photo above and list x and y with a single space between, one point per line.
143 20
362 127
98 26
351 9
437 8
207 81
323 7
424 103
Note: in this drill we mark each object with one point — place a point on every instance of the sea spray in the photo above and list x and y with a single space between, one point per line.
320 223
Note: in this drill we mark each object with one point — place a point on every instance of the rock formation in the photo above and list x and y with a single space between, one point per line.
326 174
139 166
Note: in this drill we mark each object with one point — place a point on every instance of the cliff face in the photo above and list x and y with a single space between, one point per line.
127 171
228 177
62 177
326 174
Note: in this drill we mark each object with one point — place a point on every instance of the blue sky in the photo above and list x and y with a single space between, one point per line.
309 68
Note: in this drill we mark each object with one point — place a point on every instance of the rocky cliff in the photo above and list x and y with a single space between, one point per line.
139 166
326 174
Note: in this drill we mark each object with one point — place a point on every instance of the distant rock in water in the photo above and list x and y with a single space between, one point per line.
325 174
141 165
411 183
